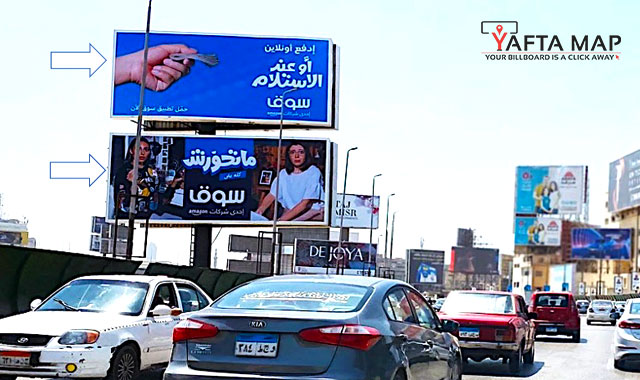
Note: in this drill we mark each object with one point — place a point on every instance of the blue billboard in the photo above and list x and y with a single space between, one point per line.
601 243
550 190
230 79
542 231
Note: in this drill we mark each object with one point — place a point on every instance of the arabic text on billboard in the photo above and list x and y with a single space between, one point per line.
543 231
318 256
474 260
426 268
232 79
549 190
601 243
357 211
221 179
624 182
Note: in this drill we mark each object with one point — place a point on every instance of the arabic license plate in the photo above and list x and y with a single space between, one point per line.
551 329
468 332
260 345
15 359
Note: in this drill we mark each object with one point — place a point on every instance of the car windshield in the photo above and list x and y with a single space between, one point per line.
552 300
103 296
635 308
300 296
483 303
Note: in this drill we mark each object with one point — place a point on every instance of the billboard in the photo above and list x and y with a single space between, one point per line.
549 190
222 180
562 277
601 243
426 268
538 231
357 211
224 78
315 256
474 260
624 182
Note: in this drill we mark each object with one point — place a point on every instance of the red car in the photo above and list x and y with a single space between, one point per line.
493 325
557 314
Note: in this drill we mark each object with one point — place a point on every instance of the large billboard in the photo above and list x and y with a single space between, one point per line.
473 260
358 210
320 256
426 268
550 190
624 182
539 231
601 243
227 79
222 180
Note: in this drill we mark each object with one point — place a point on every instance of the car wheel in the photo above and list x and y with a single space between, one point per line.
618 364
125 364
515 362
529 357
576 337
400 375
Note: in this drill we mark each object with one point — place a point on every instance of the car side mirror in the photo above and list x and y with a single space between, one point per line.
532 315
449 326
35 303
161 311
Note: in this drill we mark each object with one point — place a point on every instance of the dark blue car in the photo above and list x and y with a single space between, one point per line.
317 327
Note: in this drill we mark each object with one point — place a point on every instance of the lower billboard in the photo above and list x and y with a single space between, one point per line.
222 180
426 268
531 230
601 243
360 211
322 256
474 260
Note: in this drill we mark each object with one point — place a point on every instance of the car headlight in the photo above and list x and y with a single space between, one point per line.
79 337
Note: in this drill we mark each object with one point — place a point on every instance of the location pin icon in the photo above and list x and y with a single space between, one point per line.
499 29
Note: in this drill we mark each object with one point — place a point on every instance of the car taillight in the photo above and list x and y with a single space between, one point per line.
353 336
505 335
192 329
629 325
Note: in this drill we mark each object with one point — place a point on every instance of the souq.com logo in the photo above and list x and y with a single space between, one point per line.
511 46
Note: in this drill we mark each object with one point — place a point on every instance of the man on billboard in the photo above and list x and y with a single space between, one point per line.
426 274
538 193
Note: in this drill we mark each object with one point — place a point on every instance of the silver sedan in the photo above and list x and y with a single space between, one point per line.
602 311
626 342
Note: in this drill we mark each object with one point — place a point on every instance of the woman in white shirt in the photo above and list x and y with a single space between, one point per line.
301 187
554 194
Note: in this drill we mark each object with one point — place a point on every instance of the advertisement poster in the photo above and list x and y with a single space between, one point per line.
474 260
601 243
549 190
539 231
358 210
624 182
223 180
318 256
225 78
562 277
426 268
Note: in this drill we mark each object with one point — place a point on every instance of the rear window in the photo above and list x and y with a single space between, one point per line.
552 300
602 303
484 303
297 296
635 308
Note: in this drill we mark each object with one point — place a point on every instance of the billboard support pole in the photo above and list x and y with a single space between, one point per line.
134 181
373 197
344 194
386 230
393 225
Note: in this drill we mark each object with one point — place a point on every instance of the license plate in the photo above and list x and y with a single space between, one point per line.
15 359
466 332
551 329
260 345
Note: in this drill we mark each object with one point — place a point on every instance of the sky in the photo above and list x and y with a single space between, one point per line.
445 126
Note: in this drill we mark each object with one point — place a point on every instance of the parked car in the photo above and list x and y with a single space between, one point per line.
492 325
583 306
626 343
557 314
602 311
620 305
316 326
99 327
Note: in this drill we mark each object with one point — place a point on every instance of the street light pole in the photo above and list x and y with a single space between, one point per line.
136 154
386 230
373 197
393 225
275 203
344 193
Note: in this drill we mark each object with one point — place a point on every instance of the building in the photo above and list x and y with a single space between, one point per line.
14 232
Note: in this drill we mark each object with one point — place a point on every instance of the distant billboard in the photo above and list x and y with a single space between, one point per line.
474 260
562 277
426 268
601 243
320 256
549 190
229 79
538 231
357 211
222 180
624 182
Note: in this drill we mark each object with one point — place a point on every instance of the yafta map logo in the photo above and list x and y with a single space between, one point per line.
513 46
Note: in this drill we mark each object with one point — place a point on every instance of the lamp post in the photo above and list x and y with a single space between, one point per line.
386 230
373 197
393 225
344 193
275 203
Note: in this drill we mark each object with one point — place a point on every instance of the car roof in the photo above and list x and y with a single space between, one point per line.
549 292
496 292
333 279
129 278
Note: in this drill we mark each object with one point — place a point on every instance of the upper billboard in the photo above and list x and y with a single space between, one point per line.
538 231
237 80
624 182
426 268
474 260
320 256
222 180
549 190
358 210
601 243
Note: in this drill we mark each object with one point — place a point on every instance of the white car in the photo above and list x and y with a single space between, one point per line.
602 311
626 341
98 327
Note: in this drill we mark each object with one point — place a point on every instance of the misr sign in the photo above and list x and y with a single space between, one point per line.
316 256
358 210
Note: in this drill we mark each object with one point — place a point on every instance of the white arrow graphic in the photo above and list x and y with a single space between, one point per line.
90 60
90 170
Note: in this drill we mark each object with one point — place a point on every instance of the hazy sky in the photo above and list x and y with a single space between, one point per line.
445 126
